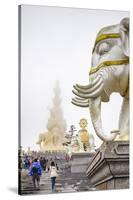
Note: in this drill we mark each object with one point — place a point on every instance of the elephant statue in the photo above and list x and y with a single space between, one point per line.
109 73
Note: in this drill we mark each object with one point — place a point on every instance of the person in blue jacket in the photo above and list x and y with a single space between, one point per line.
36 172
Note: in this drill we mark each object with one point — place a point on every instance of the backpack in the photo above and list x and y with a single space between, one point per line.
35 170
53 171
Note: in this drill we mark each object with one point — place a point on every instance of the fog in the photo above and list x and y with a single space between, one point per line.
56 44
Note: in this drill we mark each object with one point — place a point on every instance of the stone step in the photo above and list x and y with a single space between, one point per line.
65 182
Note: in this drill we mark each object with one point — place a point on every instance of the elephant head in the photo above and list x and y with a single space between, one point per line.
109 73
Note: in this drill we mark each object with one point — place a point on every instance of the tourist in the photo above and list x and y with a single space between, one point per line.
36 172
57 167
27 163
53 175
48 165
30 161
42 162
46 168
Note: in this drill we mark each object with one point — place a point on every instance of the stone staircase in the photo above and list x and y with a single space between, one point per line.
65 182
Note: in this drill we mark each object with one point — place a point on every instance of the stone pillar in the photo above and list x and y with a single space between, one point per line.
109 168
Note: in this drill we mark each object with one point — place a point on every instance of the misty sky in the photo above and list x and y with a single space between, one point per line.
56 44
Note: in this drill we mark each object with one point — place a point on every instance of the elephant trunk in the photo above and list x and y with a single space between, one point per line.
95 112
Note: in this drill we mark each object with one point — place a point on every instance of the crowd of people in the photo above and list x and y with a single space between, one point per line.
36 166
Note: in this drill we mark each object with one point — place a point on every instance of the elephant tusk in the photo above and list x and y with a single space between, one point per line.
90 90
79 101
85 105
94 94
89 85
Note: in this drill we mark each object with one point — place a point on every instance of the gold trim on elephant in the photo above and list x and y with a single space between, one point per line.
105 36
108 63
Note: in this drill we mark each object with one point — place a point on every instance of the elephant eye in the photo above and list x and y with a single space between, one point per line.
103 48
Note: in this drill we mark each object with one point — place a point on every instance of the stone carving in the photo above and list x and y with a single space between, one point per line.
109 168
75 145
109 73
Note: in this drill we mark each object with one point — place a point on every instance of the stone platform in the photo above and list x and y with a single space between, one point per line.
109 168
80 161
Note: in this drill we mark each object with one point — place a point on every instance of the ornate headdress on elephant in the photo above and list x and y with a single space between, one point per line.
109 73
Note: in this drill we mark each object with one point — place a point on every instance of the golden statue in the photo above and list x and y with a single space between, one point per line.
54 138
86 139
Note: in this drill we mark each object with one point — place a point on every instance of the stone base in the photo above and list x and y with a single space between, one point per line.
79 162
109 168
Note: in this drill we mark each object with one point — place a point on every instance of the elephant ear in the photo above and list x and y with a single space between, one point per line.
124 33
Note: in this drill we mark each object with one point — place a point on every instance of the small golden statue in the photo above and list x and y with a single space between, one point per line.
84 135
86 139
